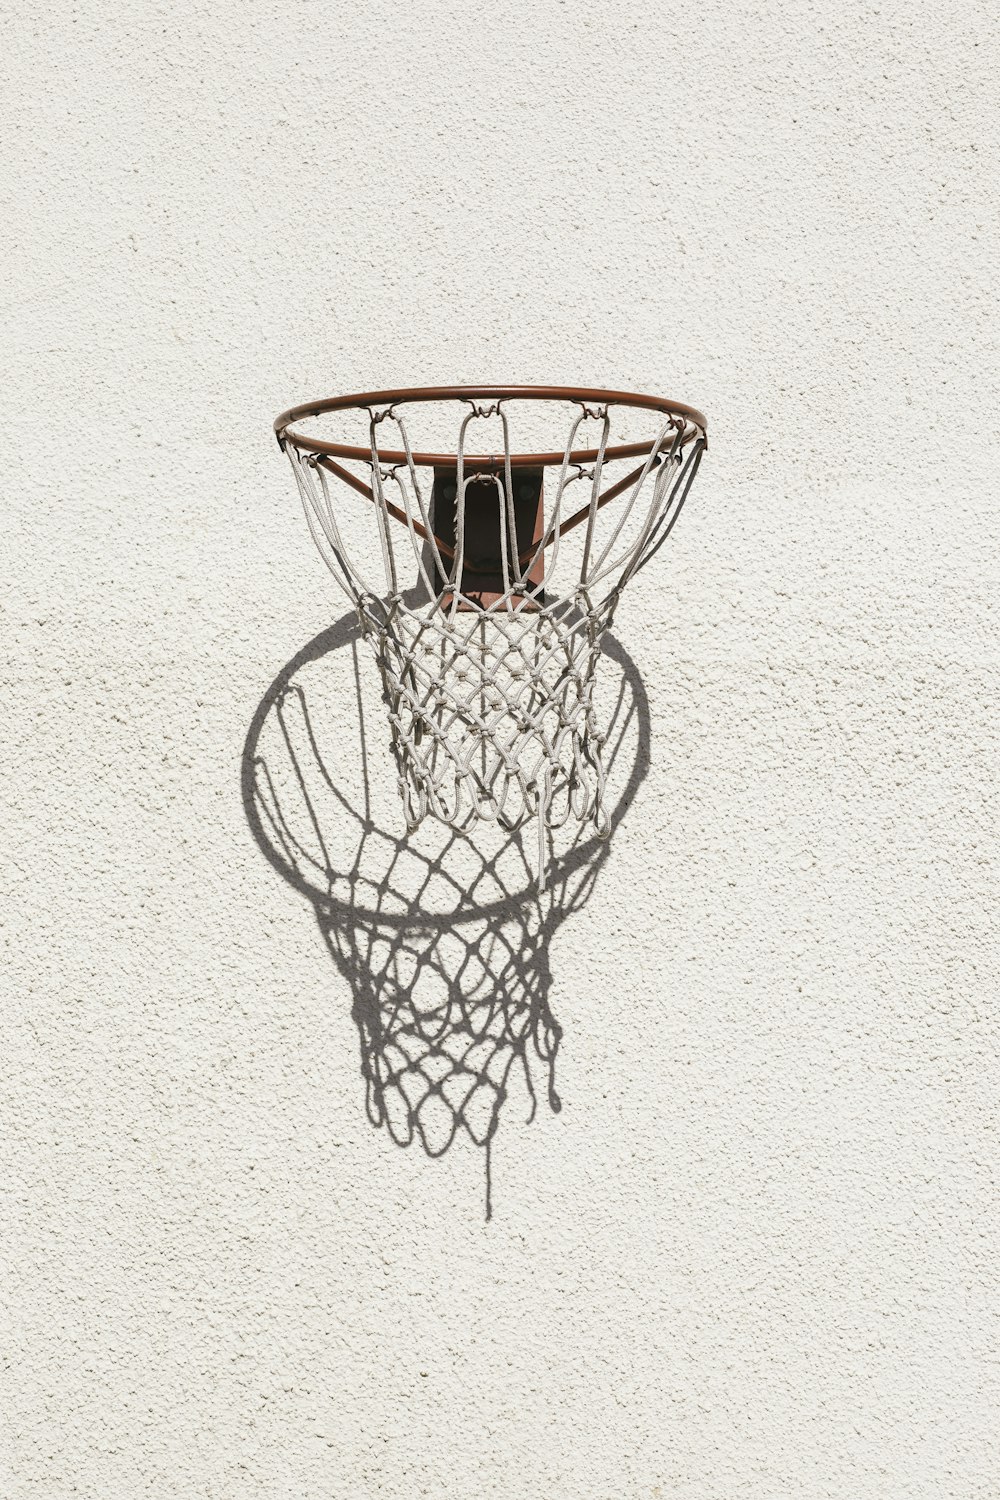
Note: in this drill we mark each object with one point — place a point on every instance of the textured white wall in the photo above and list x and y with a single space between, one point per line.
754 1254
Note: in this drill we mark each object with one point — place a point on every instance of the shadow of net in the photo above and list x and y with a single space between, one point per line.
444 938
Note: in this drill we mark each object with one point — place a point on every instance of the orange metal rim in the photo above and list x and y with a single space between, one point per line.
581 395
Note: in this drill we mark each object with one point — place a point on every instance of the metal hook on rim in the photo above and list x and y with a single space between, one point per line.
380 416
483 409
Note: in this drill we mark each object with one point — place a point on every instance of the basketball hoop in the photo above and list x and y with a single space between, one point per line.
499 569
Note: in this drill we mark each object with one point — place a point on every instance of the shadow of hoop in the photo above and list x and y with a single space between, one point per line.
443 937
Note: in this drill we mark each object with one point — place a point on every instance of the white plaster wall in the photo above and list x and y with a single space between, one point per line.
754 1255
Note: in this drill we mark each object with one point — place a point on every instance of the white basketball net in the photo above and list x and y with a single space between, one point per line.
491 708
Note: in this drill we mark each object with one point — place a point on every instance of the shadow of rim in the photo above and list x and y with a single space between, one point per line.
562 867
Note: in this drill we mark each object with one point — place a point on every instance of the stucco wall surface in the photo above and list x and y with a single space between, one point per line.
754 1252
